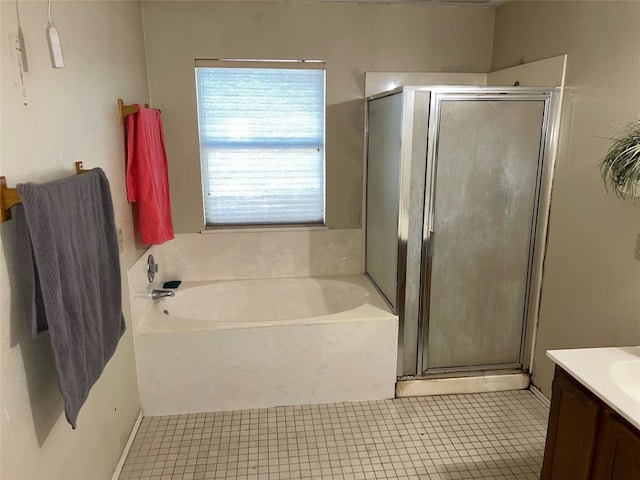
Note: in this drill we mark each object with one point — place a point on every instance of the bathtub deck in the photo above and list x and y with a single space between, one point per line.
187 366
497 435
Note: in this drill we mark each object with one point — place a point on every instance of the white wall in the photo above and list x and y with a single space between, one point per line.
50 119
591 285
352 39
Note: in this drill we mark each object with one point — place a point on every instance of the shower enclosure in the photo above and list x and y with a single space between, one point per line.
457 194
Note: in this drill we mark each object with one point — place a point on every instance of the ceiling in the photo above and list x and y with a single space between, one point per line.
459 3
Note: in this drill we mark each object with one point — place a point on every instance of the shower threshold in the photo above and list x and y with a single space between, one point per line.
462 382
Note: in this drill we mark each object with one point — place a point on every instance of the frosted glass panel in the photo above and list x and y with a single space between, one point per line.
383 192
486 180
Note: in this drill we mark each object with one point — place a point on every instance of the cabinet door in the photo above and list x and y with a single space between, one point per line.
571 436
617 454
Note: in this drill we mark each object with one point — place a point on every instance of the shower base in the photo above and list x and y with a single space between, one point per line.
493 382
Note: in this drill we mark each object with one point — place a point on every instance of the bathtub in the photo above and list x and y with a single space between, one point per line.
226 345
255 303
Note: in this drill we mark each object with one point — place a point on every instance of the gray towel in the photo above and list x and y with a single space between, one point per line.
68 251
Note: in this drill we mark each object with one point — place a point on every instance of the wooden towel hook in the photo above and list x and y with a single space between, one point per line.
79 168
10 196
127 109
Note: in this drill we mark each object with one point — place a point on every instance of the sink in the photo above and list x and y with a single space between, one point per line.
626 376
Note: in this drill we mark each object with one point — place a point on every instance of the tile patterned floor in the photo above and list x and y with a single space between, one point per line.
478 436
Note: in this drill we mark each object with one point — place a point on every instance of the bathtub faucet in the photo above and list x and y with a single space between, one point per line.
156 294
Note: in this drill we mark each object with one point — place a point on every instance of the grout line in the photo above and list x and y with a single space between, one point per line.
460 436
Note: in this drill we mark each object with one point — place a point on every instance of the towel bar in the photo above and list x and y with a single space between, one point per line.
10 197
127 109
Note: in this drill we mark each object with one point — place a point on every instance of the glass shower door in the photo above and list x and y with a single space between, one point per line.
383 193
483 210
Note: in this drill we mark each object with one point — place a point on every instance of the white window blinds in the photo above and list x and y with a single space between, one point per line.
262 142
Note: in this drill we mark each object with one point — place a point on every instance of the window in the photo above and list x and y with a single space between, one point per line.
262 146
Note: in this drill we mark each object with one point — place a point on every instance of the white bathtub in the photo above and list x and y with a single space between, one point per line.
260 302
261 343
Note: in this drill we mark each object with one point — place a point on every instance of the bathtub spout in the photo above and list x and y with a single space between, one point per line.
156 294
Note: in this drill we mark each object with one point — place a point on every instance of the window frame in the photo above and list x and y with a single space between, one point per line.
261 64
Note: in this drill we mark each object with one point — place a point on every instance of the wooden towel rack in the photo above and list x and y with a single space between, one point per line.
10 197
127 109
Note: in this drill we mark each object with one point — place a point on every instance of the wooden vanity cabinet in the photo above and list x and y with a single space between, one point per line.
586 440
618 449
571 435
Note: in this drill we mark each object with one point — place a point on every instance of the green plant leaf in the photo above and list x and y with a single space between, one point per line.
620 167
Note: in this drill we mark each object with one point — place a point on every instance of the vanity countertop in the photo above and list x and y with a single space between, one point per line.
591 367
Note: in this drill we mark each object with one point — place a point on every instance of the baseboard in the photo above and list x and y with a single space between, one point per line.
127 447
540 396
475 384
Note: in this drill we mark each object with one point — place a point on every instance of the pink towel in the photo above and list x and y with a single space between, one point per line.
147 175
